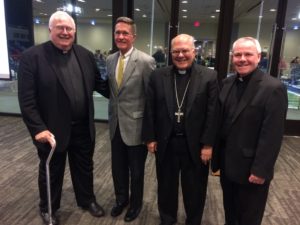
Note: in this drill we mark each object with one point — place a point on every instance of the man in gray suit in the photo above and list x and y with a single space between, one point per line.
128 74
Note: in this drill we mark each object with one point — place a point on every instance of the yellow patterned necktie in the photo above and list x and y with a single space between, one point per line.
120 70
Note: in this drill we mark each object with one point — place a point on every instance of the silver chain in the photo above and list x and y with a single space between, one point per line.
184 94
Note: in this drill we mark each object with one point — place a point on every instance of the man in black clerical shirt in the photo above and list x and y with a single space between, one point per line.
253 107
56 84
179 127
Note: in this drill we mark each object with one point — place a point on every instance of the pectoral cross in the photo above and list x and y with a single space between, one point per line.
178 114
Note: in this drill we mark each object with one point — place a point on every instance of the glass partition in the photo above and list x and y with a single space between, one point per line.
200 19
289 66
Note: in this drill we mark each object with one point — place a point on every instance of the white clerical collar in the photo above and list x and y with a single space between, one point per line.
181 72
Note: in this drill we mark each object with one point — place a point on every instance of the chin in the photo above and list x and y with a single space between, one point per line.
181 67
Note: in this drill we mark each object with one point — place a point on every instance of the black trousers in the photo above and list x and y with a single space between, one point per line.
244 204
80 155
177 162
128 166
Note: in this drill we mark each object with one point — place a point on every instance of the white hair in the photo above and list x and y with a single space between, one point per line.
185 37
253 40
60 14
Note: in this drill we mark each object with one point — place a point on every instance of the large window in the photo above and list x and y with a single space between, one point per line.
200 19
152 18
289 66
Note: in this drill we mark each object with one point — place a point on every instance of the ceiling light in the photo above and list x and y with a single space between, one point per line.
272 10
294 18
92 22
70 8
81 0
295 27
97 9
109 15
184 10
184 2
212 16
218 10
299 16
40 1
144 15
184 17
137 9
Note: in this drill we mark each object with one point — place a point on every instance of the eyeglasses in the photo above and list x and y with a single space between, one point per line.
124 33
62 28
183 51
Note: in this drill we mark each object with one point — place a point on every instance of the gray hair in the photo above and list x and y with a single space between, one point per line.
253 40
128 21
185 37
59 14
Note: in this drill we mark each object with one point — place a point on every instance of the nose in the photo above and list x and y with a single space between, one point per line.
243 58
180 53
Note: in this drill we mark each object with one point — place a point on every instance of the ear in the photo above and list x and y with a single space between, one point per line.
259 57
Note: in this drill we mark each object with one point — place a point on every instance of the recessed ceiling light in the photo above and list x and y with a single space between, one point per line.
184 10
295 28
81 0
272 10
184 17
137 9
212 16
218 10
109 15
40 1
294 18
97 9
184 2
144 15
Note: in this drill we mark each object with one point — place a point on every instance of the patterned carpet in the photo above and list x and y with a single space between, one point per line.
19 194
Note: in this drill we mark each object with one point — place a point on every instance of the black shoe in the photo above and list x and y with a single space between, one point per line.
132 213
46 219
117 209
95 209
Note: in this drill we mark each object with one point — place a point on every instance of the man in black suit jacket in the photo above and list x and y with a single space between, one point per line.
179 127
56 84
253 110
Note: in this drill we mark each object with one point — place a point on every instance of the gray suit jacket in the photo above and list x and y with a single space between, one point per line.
126 105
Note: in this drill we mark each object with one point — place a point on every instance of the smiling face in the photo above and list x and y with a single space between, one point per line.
183 51
62 31
245 57
124 36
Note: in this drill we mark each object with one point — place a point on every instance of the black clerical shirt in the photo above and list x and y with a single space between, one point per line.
73 82
232 101
181 83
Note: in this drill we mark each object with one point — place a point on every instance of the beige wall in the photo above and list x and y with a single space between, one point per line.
250 29
291 45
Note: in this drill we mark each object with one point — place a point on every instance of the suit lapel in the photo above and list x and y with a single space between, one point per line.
248 94
193 88
226 89
52 59
168 89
